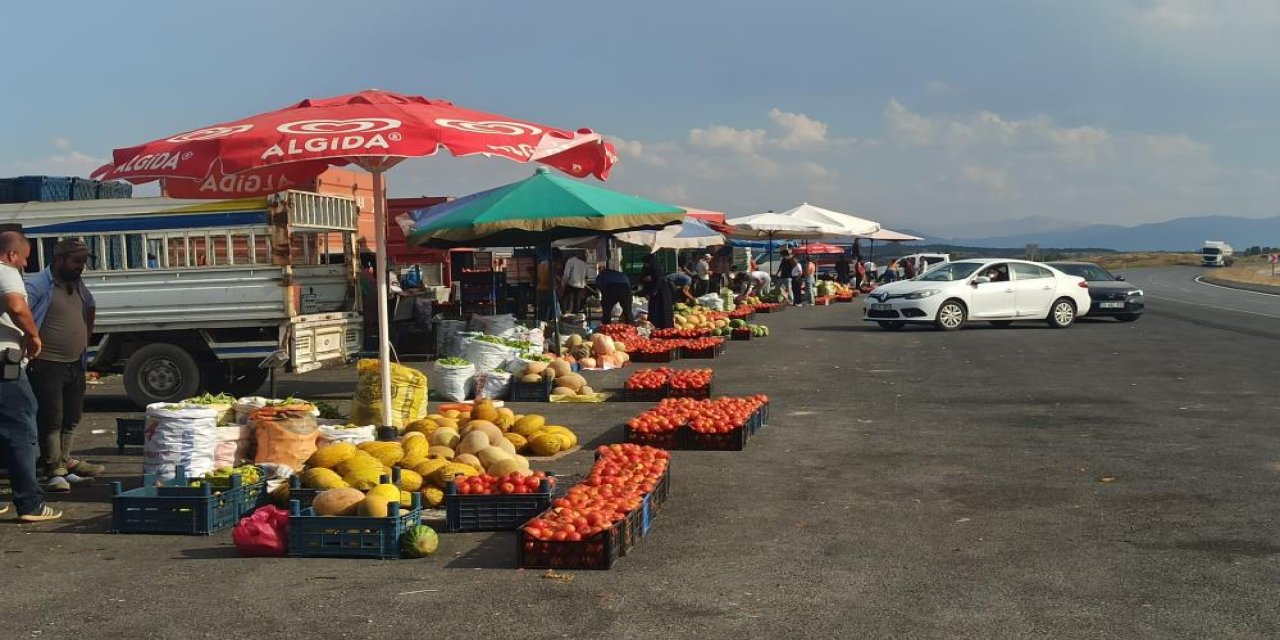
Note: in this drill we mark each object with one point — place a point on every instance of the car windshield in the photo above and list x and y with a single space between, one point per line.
1211 251
1090 272
950 271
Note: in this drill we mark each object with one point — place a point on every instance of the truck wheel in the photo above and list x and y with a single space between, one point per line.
161 372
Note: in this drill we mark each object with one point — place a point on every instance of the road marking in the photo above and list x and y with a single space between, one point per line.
1211 306
1256 293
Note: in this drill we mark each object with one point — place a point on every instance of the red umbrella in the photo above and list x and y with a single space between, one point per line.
376 130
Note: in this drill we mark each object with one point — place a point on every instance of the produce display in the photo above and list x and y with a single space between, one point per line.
663 381
511 484
622 476
738 327
599 352
221 476
683 422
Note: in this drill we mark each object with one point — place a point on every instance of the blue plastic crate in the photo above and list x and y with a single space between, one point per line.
531 391
312 536
654 500
84 189
502 512
6 191
600 551
114 189
178 508
130 432
41 189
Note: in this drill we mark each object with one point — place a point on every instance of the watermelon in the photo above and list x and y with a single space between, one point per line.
419 541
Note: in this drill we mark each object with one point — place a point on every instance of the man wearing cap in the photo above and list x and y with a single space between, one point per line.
64 312
702 275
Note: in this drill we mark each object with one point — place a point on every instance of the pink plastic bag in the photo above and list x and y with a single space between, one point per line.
263 534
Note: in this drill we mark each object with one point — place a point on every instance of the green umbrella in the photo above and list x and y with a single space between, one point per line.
535 211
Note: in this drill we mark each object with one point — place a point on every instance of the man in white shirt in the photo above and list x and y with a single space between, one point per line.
575 284
19 340
702 275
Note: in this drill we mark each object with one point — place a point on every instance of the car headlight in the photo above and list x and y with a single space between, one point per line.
1136 292
923 293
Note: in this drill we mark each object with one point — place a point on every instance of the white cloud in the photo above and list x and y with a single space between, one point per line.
62 143
1192 15
800 131
994 180
907 126
742 141
65 161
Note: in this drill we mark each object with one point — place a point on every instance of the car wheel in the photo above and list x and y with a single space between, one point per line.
1062 314
892 325
951 316
1127 317
161 372
1001 323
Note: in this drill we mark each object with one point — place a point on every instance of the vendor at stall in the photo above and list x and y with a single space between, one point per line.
615 289
654 286
682 285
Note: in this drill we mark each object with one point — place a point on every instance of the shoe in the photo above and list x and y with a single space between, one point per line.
85 469
74 479
46 513
57 484
4 510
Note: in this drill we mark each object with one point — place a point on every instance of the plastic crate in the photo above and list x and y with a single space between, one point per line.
740 334
654 500
599 552
303 495
84 189
312 536
670 440
702 354
735 440
41 189
130 432
670 355
502 512
114 189
645 395
698 393
181 509
531 391
6 191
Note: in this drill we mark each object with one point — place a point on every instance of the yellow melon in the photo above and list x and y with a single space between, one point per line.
469 459
425 469
548 443
484 410
321 478
518 441
388 453
410 480
331 455
337 502
444 437
432 497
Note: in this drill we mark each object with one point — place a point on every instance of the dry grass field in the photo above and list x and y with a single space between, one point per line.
1253 270
1122 261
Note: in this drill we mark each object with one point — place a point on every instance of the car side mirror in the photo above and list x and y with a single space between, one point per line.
981 280
1120 278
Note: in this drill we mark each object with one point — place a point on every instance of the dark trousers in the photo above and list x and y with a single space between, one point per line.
18 443
797 286
59 390
544 303
611 294
575 299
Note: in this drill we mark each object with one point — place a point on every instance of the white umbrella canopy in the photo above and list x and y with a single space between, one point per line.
850 226
690 234
887 235
778 226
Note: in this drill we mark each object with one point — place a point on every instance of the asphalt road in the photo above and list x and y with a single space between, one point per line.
1111 480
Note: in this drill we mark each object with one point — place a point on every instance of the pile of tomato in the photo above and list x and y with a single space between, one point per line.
487 485
691 379
710 415
741 313
768 306
653 346
702 344
668 334
619 331
649 379
623 474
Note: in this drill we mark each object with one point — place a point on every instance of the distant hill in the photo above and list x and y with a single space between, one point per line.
1182 234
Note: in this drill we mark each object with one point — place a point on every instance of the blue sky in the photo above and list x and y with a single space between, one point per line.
953 117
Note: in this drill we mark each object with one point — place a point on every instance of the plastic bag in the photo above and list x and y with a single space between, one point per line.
493 325
711 301
285 436
492 384
452 382
235 443
330 434
175 435
487 356
461 341
408 395
262 534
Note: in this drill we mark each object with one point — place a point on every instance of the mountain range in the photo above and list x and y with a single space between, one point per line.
1181 234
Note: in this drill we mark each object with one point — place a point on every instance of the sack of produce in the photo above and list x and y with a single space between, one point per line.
458 349
494 385
446 335
244 407
222 403
179 434
489 352
285 436
452 379
408 395
349 433
263 533
235 443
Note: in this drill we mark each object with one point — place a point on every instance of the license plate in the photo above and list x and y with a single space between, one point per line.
1111 305
882 307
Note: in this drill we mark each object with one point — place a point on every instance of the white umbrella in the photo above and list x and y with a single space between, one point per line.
775 225
886 235
690 234
850 226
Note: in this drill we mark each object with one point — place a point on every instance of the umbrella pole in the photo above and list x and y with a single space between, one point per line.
386 430
555 306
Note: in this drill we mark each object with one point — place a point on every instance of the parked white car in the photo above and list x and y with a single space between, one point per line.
992 290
